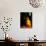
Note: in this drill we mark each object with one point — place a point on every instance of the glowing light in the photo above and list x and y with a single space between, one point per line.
7 35
28 22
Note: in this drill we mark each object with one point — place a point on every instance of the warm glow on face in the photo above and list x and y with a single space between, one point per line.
28 22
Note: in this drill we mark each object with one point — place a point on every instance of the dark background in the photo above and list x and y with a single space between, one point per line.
23 16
